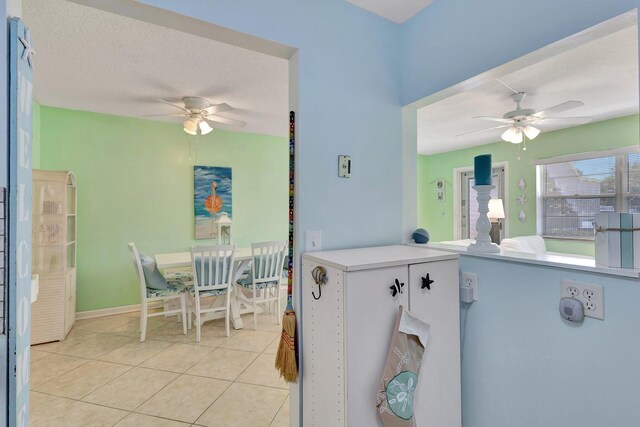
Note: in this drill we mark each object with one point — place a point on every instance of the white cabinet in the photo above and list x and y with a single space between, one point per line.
439 382
54 254
346 333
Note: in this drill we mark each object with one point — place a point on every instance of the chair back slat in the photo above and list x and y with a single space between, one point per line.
137 265
268 260
215 267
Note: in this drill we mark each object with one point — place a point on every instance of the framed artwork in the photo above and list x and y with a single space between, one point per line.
212 199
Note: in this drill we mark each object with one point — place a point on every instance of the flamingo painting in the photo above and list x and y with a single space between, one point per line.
212 198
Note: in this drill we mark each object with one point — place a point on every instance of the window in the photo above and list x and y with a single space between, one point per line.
572 192
469 203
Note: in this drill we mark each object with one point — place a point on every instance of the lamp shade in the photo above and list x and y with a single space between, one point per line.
531 131
513 135
509 134
190 126
205 128
496 209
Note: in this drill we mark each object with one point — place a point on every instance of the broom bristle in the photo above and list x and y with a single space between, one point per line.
286 356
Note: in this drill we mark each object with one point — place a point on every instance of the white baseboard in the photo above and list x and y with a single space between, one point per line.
89 314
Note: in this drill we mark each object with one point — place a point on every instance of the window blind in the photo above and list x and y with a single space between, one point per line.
573 192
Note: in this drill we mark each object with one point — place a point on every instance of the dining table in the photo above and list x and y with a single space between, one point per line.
240 303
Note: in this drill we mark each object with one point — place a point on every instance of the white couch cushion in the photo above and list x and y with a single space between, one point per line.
531 244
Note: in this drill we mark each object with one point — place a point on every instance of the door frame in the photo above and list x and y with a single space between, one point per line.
457 185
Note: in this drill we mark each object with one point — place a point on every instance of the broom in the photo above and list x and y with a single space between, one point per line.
286 358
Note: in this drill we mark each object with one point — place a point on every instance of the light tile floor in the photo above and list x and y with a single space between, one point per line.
101 375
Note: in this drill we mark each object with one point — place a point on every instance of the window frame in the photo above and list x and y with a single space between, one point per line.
621 195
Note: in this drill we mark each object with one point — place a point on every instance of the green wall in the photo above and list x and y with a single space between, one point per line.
135 183
437 217
35 137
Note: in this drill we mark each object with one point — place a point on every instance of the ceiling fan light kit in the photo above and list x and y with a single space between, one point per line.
200 114
190 126
521 120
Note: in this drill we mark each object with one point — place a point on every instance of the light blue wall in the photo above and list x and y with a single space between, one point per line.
349 86
453 40
520 358
525 366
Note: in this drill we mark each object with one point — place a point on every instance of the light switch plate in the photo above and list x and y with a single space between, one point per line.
313 241
344 166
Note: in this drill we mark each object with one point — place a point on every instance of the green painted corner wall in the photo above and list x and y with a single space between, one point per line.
437 217
135 183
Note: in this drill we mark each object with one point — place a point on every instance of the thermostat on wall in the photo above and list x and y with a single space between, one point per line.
344 166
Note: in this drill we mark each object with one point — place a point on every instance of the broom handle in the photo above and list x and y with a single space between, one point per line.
292 155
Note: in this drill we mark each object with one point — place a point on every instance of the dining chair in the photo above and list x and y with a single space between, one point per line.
267 263
176 290
212 277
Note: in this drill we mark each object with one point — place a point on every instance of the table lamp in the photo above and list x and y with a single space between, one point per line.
496 214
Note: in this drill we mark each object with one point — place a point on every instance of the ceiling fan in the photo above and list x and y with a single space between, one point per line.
200 115
520 122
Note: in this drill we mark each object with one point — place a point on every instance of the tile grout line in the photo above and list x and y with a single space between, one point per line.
180 374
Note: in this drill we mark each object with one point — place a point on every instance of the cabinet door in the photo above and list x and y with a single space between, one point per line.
371 312
437 396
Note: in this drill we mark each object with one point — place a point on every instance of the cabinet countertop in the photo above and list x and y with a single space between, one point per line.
377 257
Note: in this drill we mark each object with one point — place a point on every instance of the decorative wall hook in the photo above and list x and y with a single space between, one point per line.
426 282
319 275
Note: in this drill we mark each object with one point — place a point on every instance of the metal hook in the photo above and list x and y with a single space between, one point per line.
319 275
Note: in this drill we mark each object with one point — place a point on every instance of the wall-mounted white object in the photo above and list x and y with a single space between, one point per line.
346 333
591 296
313 241
54 254
344 166
522 216
522 184
470 282
440 190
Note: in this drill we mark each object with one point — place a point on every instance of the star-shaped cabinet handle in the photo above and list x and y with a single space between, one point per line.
28 50
426 282
396 288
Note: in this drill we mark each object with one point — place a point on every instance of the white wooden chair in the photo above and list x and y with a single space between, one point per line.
152 295
267 262
212 277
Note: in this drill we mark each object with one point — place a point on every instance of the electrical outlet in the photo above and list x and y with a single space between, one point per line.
470 280
591 297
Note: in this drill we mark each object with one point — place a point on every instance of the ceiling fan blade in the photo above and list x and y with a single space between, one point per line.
179 107
493 119
165 115
218 108
484 130
565 106
225 121
577 120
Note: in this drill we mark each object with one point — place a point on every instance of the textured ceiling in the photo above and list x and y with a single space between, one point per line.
92 60
394 10
602 73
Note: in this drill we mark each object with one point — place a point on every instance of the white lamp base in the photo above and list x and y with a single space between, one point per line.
483 226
